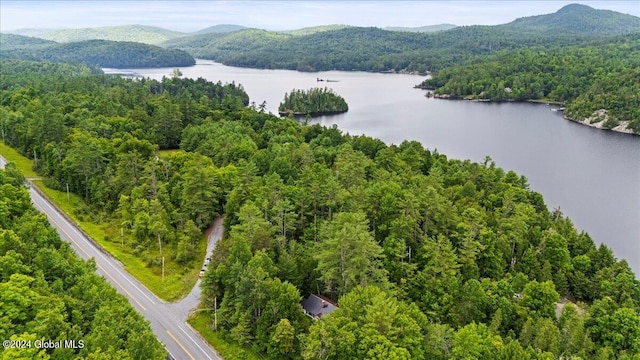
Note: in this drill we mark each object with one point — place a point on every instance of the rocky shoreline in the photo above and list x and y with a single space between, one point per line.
599 119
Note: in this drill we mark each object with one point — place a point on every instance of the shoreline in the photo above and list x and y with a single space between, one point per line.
589 121
621 128
299 114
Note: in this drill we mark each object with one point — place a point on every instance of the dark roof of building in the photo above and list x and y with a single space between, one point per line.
318 306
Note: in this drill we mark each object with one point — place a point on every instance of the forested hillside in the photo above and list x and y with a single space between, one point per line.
316 29
135 33
599 75
222 28
99 135
10 42
427 257
579 19
350 48
373 49
100 53
423 29
48 293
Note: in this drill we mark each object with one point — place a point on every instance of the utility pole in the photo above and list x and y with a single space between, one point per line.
215 313
122 236
68 192
163 268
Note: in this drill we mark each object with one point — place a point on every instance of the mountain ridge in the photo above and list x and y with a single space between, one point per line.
376 49
135 33
220 28
12 41
422 29
102 53
580 19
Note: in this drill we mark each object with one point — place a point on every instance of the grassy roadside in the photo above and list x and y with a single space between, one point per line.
22 163
178 280
228 351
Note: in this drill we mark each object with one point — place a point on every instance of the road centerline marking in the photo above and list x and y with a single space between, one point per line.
180 344
73 227
86 253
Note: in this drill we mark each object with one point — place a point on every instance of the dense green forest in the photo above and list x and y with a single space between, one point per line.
579 19
578 56
350 48
427 257
316 29
599 75
48 293
10 42
98 134
136 33
315 101
101 53
373 49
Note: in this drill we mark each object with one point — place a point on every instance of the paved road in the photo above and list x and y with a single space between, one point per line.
168 321
191 301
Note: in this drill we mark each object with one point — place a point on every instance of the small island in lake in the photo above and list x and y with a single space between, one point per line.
312 102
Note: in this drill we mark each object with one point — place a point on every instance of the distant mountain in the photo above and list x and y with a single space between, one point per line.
31 32
316 29
579 19
218 29
374 49
103 53
135 33
422 29
209 46
11 42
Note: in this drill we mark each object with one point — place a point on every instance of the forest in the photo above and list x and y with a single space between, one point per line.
315 101
145 34
583 58
427 257
374 49
599 75
102 53
48 292
11 42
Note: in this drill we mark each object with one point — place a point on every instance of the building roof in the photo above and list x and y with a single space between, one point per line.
317 306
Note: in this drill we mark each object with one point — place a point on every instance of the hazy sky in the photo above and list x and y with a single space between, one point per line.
277 15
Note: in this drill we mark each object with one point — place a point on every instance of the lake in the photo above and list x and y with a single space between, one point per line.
592 175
